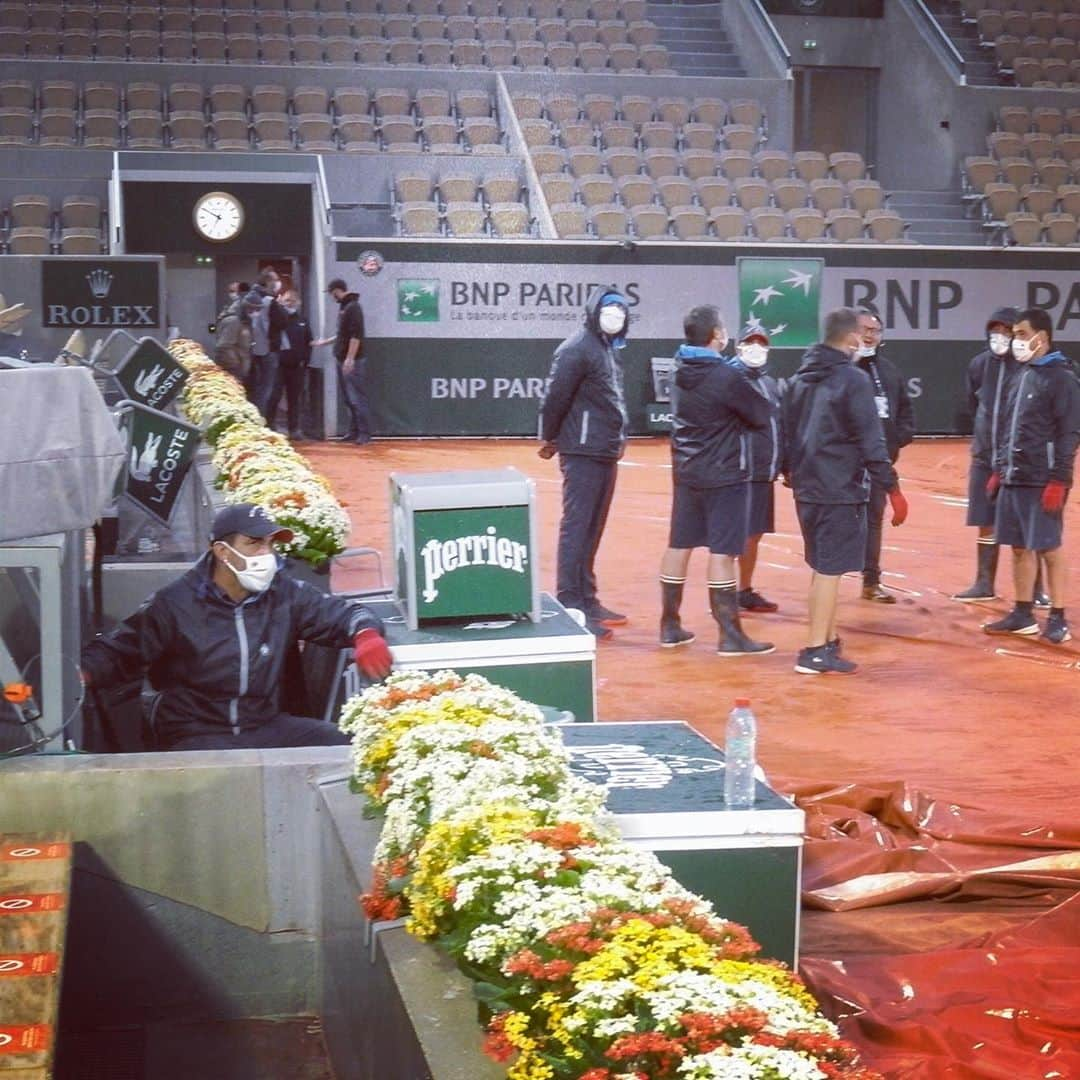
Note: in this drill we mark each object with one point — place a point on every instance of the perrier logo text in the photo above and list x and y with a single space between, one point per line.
487 549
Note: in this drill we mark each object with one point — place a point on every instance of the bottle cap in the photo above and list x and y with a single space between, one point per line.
742 703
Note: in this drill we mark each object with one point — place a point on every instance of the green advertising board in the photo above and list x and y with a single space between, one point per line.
161 450
150 375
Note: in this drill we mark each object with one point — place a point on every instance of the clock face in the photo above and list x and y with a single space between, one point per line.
218 216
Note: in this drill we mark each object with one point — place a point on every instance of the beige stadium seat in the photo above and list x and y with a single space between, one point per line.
791 193
177 47
548 159
632 10
425 25
57 127
44 43
451 7
270 98
357 134
570 220
584 161
460 28
224 98
847 166
622 57
78 19
1048 120
866 195
472 104
980 171
608 222
1068 146
710 110
110 44
78 45
660 163
16 126
414 187
736 164
14 22
402 50
810 165
601 108
531 55
699 163
80 241
643 32
315 131
728 222
1024 229
563 107
636 190
29 240
807 224
392 101
551 30
884 226
751 192
561 55
143 97
845 225
16 94
186 97
650 222
655 60
240 22
145 129
308 100
769 223
740 137
1027 70
510 219
208 22
466 218
211 48
696 136
1053 172
673 110
1015 118
467 54
827 194
501 188
396 24
773 164
619 161
440 131
577 133
342 25
308 49
1069 199
575 9
618 133
690 222
558 188
187 131
230 131
596 189
746 111
581 31
1038 200
1018 170
420 218
458 187
101 128
58 94
713 192
537 132
1038 144
101 95
658 134
480 131
675 191
592 56
397 129
347 50
351 100
432 101
31 211
1000 200
1005 144
1060 228
275 49
637 108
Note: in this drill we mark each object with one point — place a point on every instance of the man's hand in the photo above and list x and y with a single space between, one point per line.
348 364
372 654
993 484
547 450
899 506
1053 497
785 479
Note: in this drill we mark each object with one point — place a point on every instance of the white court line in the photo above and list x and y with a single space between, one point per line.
1063 664
950 500
778 566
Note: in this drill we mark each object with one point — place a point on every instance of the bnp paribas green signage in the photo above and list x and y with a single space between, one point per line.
472 561
781 297
418 300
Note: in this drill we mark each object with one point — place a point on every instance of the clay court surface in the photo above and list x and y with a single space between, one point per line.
988 728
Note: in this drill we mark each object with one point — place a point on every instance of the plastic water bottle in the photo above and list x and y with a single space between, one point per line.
740 747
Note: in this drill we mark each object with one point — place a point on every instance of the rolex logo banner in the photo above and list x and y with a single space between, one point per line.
160 452
100 293
150 375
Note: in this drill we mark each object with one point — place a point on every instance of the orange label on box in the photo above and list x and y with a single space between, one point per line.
28 903
32 852
30 963
24 1038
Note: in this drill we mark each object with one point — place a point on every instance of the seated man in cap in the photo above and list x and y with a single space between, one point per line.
214 643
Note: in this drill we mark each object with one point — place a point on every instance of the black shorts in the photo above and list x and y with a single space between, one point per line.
1022 522
709 517
981 510
761 517
834 536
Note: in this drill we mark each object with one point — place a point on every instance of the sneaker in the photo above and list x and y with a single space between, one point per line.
1057 630
877 594
598 630
605 616
1042 601
824 660
978 593
672 635
752 600
1013 623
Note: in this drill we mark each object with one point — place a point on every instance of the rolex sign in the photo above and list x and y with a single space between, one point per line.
100 293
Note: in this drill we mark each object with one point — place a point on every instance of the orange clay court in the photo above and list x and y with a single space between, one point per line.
986 727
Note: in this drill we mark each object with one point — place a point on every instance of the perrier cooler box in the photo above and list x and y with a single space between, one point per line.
464 545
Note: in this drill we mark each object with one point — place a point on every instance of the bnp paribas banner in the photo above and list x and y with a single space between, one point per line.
459 343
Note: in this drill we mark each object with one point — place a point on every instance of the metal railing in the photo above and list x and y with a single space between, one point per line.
938 37
759 15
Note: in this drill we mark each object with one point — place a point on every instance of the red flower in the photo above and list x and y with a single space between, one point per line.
596 1074
563 836
496 1045
667 1051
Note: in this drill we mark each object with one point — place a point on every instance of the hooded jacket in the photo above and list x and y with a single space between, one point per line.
766 444
350 325
713 406
899 425
987 377
232 347
1040 426
217 664
268 323
298 331
584 410
833 441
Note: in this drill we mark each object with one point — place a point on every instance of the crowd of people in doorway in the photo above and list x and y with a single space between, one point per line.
832 433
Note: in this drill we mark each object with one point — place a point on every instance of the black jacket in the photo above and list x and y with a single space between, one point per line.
350 325
833 442
584 411
766 443
987 378
899 425
713 405
215 663
1040 425
299 336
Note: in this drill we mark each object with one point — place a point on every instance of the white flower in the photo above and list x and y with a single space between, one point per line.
750 1062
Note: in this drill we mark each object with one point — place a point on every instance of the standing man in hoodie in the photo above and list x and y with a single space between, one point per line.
988 373
1033 471
898 423
714 408
266 328
349 354
765 446
583 419
834 448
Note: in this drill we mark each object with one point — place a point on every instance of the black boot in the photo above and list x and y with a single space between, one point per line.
986 560
724 605
672 633
1038 595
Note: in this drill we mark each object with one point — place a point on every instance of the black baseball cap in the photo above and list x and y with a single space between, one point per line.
248 520
337 283
754 333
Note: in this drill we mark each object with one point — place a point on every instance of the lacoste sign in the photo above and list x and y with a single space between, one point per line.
150 375
160 455
100 293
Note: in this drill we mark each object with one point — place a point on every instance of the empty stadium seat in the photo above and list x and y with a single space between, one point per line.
29 240
884 226
690 222
608 222
420 218
570 220
466 218
713 192
80 241
845 225
728 222
1023 229
650 221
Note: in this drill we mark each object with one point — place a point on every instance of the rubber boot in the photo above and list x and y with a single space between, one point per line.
724 605
672 633
1038 594
986 560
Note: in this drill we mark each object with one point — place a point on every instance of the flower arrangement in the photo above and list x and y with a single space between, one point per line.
589 960
257 465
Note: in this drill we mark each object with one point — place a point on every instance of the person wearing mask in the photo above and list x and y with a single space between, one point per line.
764 445
214 643
987 374
893 405
714 408
834 447
583 419
236 291
292 367
1033 471
349 354
266 344
232 346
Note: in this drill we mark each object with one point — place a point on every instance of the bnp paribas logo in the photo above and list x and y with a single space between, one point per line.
418 300
781 297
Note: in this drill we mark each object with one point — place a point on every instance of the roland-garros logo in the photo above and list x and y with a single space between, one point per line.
442 557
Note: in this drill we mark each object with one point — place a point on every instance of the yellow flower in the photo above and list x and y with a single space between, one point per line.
778 978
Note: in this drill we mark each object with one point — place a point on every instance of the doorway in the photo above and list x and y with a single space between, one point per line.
836 110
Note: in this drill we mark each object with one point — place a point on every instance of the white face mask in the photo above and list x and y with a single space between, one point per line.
753 356
258 571
1022 350
999 344
863 351
612 320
